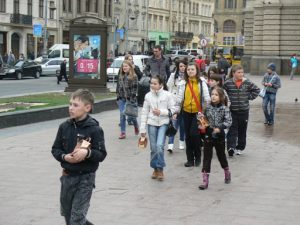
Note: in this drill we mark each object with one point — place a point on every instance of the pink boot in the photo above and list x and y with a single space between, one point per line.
227 175
204 185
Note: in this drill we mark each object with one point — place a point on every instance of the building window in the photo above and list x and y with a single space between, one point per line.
216 27
174 4
244 3
190 8
78 6
228 40
230 4
166 28
149 21
41 8
70 5
183 7
154 22
52 9
160 26
105 8
29 7
229 26
16 6
143 22
2 5
109 8
65 5
216 4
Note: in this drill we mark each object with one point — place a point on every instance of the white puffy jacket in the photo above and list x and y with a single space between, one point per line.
162 100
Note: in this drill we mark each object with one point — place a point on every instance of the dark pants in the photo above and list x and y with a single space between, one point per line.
75 196
208 152
59 77
236 137
192 137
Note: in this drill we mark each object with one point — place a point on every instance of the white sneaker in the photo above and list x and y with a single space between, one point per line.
181 145
170 148
239 152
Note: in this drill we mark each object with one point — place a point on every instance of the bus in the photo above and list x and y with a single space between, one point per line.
225 50
237 54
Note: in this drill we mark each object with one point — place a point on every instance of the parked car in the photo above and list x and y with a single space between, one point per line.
50 66
179 55
56 51
113 71
22 68
194 52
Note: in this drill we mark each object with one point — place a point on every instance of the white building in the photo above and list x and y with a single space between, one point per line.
17 18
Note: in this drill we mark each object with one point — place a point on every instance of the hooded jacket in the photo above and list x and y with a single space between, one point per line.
66 140
162 100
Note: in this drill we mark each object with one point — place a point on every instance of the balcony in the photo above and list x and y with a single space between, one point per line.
188 36
21 19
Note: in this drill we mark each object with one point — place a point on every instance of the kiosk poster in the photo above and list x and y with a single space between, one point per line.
87 56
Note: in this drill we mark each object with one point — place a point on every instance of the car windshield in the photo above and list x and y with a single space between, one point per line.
19 63
116 63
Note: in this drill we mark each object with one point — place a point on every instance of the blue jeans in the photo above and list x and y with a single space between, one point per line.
270 98
178 124
122 104
157 138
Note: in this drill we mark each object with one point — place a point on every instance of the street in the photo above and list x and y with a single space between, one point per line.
264 187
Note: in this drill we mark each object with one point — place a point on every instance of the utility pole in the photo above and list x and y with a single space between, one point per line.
45 29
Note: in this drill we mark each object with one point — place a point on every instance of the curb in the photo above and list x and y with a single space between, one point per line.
39 115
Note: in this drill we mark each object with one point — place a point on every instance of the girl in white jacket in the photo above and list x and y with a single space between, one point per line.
175 80
155 113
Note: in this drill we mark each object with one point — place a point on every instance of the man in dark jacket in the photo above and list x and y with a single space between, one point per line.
79 147
240 90
223 66
158 64
63 72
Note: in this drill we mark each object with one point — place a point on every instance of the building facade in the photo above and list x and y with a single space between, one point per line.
229 22
17 19
271 34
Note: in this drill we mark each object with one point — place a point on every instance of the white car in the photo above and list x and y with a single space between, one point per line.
113 71
50 66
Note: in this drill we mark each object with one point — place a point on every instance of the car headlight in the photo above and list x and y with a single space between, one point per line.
11 70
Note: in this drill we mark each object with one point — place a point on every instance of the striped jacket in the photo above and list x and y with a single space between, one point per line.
239 97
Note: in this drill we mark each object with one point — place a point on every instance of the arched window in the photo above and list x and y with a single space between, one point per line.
229 26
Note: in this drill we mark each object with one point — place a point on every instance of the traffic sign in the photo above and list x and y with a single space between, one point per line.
37 30
203 42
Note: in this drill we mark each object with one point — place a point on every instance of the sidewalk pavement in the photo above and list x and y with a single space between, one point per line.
263 191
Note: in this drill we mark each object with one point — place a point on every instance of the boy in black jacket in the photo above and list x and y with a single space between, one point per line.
240 90
79 147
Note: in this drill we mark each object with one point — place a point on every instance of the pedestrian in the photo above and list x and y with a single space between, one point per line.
175 80
21 57
219 119
158 64
223 66
158 107
201 63
127 87
212 70
79 158
63 72
11 59
192 98
5 58
240 90
139 75
294 64
271 81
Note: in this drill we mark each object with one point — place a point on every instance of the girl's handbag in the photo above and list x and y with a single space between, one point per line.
142 143
171 130
131 109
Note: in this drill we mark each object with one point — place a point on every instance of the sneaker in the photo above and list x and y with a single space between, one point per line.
239 152
266 122
122 136
270 123
136 131
181 145
231 152
170 148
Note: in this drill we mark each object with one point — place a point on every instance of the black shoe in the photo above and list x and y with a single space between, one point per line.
170 151
231 152
88 223
270 123
189 164
197 163
266 122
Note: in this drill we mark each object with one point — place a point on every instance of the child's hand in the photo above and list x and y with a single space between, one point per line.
70 159
174 117
79 154
217 130
156 112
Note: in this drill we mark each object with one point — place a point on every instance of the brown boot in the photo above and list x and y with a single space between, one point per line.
154 174
160 175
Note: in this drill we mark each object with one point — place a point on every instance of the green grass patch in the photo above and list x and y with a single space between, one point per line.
50 99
